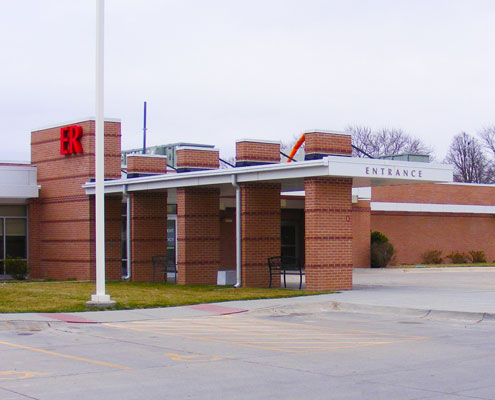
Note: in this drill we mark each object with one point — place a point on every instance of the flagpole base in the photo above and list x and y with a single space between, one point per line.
100 301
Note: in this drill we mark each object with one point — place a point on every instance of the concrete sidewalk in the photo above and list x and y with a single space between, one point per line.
466 293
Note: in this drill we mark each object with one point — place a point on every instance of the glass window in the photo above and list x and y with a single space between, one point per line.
13 211
172 209
171 241
15 237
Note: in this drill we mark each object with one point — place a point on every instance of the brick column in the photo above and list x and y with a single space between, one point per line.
34 248
260 231
196 158
65 213
328 233
321 144
198 235
145 164
256 152
113 239
148 232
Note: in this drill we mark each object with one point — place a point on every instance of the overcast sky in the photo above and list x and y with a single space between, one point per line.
213 71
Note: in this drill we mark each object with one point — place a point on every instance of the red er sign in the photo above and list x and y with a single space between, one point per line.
70 140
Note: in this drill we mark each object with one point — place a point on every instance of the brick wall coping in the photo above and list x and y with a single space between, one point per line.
362 170
259 141
196 148
147 155
432 208
330 132
74 121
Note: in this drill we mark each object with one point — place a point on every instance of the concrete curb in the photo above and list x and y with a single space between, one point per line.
333 306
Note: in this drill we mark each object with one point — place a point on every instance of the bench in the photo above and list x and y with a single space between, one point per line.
285 266
161 264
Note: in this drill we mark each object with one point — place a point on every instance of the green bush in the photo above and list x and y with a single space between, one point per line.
378 237
457 258
17 268
477 256
432 257
381 251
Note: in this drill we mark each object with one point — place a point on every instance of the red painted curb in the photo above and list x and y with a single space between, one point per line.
71 319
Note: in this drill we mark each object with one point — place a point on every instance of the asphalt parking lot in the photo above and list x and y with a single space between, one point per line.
300 348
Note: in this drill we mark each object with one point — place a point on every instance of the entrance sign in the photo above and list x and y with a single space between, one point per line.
404 172
70 139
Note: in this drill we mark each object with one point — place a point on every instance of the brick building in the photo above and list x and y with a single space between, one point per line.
318 210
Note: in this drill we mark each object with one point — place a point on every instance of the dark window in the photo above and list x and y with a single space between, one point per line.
15 237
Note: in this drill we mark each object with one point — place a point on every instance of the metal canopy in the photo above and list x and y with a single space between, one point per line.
364 172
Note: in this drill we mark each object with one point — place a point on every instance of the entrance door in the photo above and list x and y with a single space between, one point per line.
290 239
171 239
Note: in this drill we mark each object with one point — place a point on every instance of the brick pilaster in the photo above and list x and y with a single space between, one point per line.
145 164
320 144
198 235
34 247
328 233
256 152
65 212
260 226
197 159
148 232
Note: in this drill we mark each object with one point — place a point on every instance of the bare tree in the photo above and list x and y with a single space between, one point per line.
385 142
488 138
469 161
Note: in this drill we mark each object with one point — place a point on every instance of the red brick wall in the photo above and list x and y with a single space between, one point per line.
412 234
148 232
257 151
34 245
113 237
198 235
260 231
435 193
197 158
361 225
327 143
65 229
146 164
328 209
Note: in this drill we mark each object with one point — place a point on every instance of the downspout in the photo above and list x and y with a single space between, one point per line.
237 231
127 199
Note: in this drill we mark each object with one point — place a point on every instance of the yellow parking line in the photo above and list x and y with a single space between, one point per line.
53 353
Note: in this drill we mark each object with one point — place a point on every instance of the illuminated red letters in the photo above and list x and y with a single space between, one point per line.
70 140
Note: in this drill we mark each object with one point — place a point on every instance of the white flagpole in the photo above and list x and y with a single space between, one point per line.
100 299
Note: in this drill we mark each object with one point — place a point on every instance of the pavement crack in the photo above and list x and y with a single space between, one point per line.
20 394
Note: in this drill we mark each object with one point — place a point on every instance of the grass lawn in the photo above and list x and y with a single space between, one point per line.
72 296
